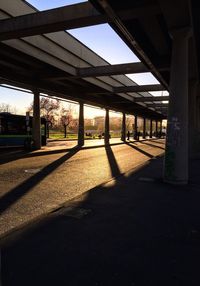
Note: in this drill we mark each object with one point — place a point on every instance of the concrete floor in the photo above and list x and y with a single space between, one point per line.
133 230
34 184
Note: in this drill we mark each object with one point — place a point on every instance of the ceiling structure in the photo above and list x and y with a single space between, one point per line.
149 29
36 52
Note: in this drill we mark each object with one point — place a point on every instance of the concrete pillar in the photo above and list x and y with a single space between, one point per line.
144 128
160 129
198 110
81 125
123 136
107 128
151 125
156 132
197 117
135 128
176 154
36 120
194 120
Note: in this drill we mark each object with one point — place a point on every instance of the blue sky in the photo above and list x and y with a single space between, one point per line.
50 4
114 51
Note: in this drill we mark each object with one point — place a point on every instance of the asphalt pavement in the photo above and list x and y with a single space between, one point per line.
34 184
131 230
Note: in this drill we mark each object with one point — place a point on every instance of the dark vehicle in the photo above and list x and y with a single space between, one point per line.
16 130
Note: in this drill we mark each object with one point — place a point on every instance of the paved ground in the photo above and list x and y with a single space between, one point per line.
134 230
32 185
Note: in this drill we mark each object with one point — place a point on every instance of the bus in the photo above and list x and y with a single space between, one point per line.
16 130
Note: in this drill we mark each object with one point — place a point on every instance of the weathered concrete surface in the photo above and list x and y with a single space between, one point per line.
34 184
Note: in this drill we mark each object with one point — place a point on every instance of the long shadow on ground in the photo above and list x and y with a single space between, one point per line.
153 145
129 233
15 155
16 193
140 150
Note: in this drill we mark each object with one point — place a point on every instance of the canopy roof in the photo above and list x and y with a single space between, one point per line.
36 52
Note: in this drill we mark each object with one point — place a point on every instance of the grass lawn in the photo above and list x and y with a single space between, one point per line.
61 136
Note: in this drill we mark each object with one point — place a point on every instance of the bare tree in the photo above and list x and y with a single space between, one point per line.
115 123
48 108
129 122
66 118
99 121
5 107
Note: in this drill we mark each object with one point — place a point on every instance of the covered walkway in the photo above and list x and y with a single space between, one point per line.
125 213
39 55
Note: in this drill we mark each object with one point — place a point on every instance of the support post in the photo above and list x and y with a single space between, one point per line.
36 120
151 125
135 131
156 132
160 128
197 118
107 128
81 125
176 154
123 135
194 133
144 128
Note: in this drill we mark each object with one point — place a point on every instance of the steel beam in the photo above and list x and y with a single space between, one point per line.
139 88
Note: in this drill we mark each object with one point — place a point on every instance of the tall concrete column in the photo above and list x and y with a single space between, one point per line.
151 126
197 119
81 125
123 136
176 154
107 128
135 128
194 134
144 128
160 126
159 129
156 132
36 120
